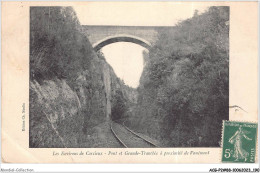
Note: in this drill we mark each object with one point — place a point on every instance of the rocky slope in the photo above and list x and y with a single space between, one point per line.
73 91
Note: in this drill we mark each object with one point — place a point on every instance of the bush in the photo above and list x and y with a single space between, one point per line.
57 48
188 73
119 105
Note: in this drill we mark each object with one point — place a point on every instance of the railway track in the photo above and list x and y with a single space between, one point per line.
128 138
114 133
147 140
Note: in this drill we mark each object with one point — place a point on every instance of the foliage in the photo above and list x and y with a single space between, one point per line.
119 107
188 75
57 48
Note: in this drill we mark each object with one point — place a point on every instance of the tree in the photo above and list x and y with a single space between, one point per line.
119 105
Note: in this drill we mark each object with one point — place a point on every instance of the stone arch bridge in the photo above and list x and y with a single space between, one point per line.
101 35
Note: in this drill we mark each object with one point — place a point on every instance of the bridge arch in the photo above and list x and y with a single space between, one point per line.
121 38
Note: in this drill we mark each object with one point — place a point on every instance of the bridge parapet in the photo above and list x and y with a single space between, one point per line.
97 34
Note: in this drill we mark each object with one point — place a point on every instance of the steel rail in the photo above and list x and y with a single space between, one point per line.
120 141
139 135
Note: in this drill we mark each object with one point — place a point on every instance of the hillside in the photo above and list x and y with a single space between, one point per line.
73 90
184 89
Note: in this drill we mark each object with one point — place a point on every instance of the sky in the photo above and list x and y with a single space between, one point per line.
127 58
137 13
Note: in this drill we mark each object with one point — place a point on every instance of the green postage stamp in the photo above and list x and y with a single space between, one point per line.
239 142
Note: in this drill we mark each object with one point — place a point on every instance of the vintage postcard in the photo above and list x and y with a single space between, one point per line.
129 82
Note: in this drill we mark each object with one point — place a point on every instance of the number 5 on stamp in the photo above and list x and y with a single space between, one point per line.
239 142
